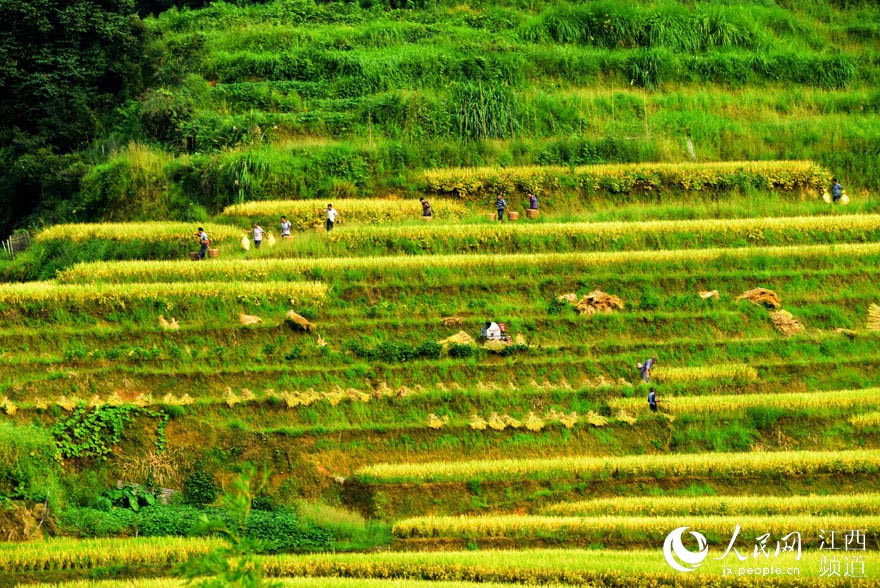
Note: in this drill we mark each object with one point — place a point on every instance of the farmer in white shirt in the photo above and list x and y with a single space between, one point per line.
331 217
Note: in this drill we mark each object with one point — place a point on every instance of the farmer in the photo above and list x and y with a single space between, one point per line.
258 235
285 228
533 201
645 368
426 207
331 217
500 206
203 242
652 399
836 190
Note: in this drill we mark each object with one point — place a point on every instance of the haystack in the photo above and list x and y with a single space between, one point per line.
707 294
171 325
786 323
598 301
762 297
297 322
249 319
874 317
460 338
450 321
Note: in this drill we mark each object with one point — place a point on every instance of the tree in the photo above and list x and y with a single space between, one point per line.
64 66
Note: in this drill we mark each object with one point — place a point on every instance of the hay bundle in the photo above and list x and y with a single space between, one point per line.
171 325
460 338
598 301
571 298
297 322
707 294
786 323
450 321
874 317
249 319
762 297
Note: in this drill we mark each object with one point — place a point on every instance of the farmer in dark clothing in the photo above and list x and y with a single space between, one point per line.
652 399
203 242
426 207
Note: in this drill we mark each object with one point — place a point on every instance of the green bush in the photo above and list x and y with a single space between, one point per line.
199 488
29 465
459 351
92 522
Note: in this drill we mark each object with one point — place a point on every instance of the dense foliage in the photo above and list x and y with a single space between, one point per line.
200 105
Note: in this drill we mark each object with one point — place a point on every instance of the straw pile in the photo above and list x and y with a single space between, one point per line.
450 321
249 319
598 301
460 338
706 294
762 297
297 322
786 323
571 298
171 325
874 317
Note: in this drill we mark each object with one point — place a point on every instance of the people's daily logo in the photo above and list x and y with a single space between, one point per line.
678 556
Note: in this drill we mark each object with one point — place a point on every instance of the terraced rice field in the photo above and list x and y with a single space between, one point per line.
541 448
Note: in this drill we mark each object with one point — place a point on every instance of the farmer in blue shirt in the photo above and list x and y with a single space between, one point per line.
500 205
836 190
645 368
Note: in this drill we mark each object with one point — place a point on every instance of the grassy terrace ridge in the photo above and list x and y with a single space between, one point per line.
268 268
743 464
150 369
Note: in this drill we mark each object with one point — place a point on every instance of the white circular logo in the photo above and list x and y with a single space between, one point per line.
674 551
